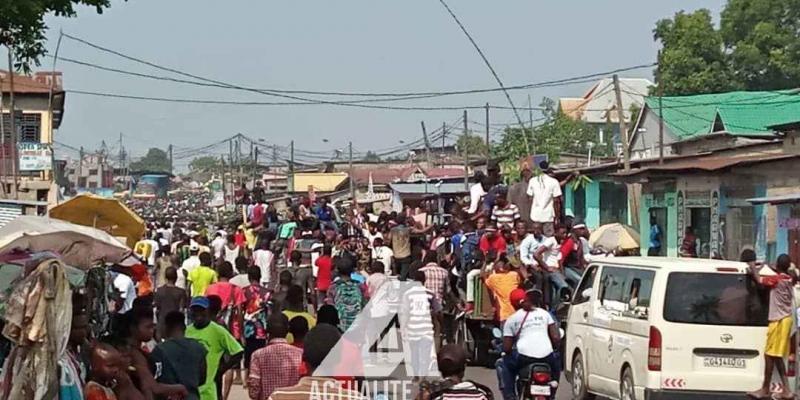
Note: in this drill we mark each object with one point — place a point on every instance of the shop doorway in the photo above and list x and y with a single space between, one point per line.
700 218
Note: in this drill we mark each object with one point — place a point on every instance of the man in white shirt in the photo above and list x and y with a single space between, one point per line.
544 190
218 245
263 258
382 253
127 291
188 265
548 257
535 333
476 193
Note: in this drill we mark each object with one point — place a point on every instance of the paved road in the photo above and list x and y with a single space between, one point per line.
485 376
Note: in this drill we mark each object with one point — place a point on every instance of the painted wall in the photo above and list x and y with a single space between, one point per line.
593 205
782 233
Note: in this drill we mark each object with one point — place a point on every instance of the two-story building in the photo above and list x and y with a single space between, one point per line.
37 114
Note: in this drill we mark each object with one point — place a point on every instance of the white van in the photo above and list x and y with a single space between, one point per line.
666 328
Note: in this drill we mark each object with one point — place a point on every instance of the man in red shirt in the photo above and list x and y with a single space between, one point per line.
572 260
324 266
492 241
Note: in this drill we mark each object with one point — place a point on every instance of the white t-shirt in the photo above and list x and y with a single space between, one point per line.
263 260
553 252
231 254
384 254
476 193
154 247
534 339
371 237
543 189
218 244
188 265
124 284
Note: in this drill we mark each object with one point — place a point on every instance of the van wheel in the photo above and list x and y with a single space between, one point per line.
580 391
626 387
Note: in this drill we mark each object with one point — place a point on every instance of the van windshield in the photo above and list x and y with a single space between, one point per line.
715 299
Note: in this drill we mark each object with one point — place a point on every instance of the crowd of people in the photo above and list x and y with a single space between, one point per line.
261 299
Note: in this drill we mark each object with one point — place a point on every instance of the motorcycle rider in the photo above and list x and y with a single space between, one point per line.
530 335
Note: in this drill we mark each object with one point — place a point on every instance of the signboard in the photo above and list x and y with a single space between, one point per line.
681 216
715 223
35 156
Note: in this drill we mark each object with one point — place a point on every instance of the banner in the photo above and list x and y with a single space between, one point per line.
35 156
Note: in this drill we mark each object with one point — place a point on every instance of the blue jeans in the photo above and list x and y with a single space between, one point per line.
558 282
508 368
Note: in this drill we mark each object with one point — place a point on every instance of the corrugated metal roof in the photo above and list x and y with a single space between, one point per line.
786 198
430 188
708 163
739 113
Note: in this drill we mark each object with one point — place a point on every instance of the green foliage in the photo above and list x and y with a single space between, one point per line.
580 181
763 38
371 157
692 60
204 164
558 134
757 47
22 26
475 145
156 160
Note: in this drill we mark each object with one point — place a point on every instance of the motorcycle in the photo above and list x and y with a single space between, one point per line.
535 381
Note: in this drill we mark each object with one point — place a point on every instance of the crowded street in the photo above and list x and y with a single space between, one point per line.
431 200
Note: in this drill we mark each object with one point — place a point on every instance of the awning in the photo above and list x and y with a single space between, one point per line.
782 199
707 164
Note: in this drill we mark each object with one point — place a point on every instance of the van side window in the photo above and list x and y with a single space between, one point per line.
638 288
612 285
586 283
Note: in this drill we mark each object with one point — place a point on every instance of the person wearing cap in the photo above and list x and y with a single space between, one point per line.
529 335
545 192
452 363
223 350
188 265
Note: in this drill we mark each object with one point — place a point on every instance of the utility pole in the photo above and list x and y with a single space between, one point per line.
255 162
427 144
291 167
444 134
488 145
352 180
14 156
626 157
2 141
660 112
79 170
170 157
224 190
466 154
274 154
239 158
230 157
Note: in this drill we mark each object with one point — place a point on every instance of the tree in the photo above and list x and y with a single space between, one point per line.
559 133
204 164
156 160
22 27
371 157
475 145
692 60
757 47
763 40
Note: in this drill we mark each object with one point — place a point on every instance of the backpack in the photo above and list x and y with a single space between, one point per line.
348 302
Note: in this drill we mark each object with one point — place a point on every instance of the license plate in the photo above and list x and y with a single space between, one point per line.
540 390
724 362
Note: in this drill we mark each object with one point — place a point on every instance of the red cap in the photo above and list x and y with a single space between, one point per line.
516 297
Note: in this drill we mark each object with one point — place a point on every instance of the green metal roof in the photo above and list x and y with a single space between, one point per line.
738 113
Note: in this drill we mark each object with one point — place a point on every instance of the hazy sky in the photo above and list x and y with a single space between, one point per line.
343 45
